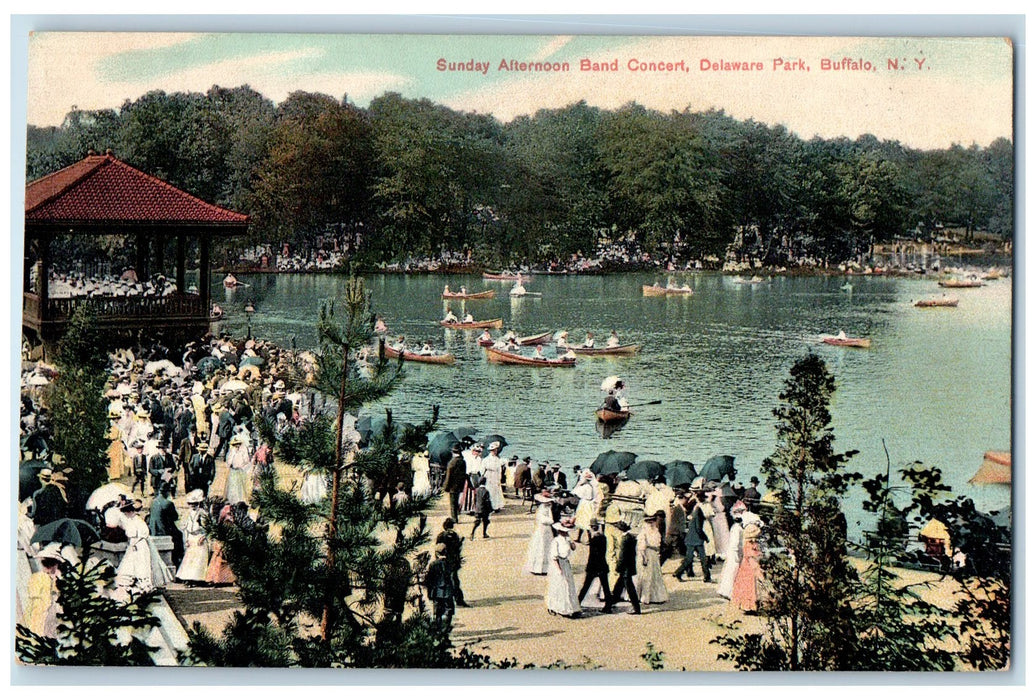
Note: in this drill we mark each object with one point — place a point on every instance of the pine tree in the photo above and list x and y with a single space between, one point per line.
806 566
93 629
896 628
328 584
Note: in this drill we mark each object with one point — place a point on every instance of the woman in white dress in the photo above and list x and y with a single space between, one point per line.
650 586
239 464
720 526
422 484
562 594
733 552
196 545
134 573
539 544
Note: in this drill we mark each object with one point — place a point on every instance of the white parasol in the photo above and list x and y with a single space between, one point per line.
610 383
106 494
234 385
37 380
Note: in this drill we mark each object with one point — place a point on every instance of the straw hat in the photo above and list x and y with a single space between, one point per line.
195 496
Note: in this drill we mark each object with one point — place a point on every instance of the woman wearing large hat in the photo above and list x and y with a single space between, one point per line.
196 554
562 596
538 557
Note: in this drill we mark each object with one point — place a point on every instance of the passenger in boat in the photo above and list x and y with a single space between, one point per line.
510 335
512 345
611 403
613 340
842 335
485 336
562 339
518 289
380 327
400 344
426 349
538 353
589 342
230 281
468 318
450 317
446 289
569 355
463 290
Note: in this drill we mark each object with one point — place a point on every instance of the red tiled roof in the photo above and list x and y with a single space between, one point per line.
103 189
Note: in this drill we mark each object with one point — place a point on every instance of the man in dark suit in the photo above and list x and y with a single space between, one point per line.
597 567
202 469
752 496
160 463
48 501
139 467
162 522
627 568
483 507
695 540
453 482
439 583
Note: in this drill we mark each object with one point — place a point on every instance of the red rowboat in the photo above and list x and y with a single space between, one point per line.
491 323
488 294
933 303
508 276
535 339
848 342
606 416
503 357
444 359
616 350
961 284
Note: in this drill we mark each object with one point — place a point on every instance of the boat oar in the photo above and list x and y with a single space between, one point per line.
649 403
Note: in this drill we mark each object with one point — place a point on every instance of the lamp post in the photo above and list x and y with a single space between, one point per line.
249 310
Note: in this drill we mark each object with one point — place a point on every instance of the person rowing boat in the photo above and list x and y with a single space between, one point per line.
468 318
589 342
450 317
613 340
485 337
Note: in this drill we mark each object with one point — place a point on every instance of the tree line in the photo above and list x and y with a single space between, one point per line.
411 178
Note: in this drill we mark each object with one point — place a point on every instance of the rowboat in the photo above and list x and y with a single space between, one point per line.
508 276
606 416
444 359
932 303
629 349
488 294
486 343
961 284
652 290
847 342
491 323
535 339
502 357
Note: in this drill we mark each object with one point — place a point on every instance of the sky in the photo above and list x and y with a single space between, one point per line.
924 92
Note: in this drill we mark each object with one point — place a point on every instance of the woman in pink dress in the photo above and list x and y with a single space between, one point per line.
219 572
745 595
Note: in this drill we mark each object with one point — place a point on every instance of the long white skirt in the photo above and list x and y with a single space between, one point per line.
561 588
650 586
731 563
134 573
195 559
496 491
538 556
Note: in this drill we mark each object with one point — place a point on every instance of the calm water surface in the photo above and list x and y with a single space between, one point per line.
935 384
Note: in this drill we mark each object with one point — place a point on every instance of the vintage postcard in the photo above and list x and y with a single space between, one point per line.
637 353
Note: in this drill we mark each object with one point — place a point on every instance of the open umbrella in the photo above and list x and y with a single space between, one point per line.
106 494
717 467
490 439
610 383
680 473
612 462
208 365
234 385
463 432
250 360
67 531
440 446
645 469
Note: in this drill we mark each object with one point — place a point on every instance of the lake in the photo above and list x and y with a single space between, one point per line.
935 384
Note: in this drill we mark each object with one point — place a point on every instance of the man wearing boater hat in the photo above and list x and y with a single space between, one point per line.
202 469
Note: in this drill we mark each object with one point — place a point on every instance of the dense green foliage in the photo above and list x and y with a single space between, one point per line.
93 630
407 177
78 409
821 615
